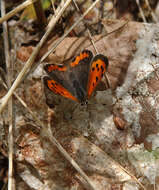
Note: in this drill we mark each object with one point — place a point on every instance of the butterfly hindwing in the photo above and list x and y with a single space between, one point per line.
59 74
57 88
98 68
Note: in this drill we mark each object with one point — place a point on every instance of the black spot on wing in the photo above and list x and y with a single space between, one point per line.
102 68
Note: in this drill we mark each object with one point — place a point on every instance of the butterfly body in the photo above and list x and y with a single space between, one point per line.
78 79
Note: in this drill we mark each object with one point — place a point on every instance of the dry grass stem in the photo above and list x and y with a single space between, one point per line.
132 176
16 10
10 102
141 11
53 6
25 106
152 13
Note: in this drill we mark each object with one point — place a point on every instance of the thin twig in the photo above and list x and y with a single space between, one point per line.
24 105
115 30
53 6
16 10
89 34
108 33
153 15
141 11
10 102
30 61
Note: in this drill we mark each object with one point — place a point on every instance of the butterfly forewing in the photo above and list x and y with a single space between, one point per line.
57 88
98 68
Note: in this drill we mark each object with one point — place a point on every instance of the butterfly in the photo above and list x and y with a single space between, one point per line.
78 79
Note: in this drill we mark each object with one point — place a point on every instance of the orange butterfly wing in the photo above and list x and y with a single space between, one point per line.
84 55
57 88
51 67
97 70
